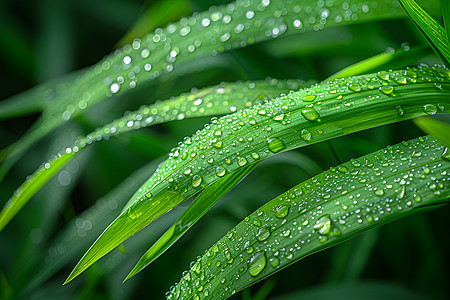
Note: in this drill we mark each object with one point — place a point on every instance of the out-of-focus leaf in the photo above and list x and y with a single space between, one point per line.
389 59
439 129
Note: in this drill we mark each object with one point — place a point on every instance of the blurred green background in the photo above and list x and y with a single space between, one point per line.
41 40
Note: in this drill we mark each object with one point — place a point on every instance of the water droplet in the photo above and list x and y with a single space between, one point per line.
379 192
309 113
220 171
446 154
242 161
354 87
309 98
383 75
305 135
323 224
387 89
257 263
275 145
342 169
281 211
430 109
196 180
262 234
274 262
400 111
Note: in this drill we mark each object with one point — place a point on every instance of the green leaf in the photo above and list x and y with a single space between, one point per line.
210 195
389 59
31 186
433 31
310 115
158 14
445 10
319 213
439 129
171 48
216 100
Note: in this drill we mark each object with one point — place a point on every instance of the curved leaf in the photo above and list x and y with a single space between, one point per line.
208 33
318 113
433 31
319 213
216 100
190 216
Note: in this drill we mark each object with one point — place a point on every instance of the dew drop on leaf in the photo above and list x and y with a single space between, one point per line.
310 114
305 135
220 171
196 180
323 225
275 145
263 234
400 110
257 263
281 211
274 262
430 109
386 89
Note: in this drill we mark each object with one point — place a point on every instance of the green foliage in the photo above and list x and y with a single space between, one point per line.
257 129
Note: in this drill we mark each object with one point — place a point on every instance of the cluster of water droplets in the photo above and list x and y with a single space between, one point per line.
291 121
338 202
211 32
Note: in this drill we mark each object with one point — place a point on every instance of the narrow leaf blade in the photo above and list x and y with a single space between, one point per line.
211 101
319 213
190 216
301 118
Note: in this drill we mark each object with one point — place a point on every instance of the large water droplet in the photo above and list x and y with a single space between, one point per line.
323 224
196 180
257 263
305 135
310 114
387 89
430 109
275 145
281 211
263 234
220 171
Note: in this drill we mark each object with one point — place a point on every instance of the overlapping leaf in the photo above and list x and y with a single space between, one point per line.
208 33
319 213
190 216
216 100
301 118
433 31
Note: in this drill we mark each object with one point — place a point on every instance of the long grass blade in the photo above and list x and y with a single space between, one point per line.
310 115
389 59
191 215
437 128
433 31
208 33
319 213
212 101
